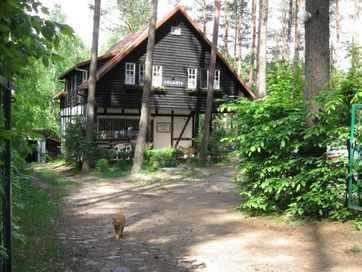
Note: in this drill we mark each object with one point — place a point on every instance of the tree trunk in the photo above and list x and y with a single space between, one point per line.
357 30
143 124
240 21
317 55
261 75
89 137
296 38
210 86
252 43
226 35
338 27
204 15
287 32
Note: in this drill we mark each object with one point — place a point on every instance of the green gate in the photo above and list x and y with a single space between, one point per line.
355 160
5 169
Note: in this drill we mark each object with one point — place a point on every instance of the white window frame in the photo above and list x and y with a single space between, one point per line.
84 75
217 77
156 76
130 73
191 78
141 74
175 30
217 80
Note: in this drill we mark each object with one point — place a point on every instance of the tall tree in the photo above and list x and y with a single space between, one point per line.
133 15
357 30
261 71
252 43
144 119
92 80
296 37
210 86
226 27
317 54
287 31
239 36
205 9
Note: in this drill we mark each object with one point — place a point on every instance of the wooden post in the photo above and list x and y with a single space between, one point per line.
172 122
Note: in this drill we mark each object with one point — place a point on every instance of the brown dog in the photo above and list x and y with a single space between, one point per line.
119 222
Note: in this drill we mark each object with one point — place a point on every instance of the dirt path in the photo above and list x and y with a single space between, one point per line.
191 225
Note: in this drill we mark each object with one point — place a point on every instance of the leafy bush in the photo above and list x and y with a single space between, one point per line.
112 170
163 157
102 165
76 149
284 167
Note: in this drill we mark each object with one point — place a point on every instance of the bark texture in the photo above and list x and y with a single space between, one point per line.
92 80
317 54
210 87
252 43
261 75
296 37
145 111
239 40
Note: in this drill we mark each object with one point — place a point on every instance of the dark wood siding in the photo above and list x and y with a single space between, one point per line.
175 54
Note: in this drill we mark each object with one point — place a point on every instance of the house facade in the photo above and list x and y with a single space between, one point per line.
179 81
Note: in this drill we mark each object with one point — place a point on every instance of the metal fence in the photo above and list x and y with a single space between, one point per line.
5 170
355 159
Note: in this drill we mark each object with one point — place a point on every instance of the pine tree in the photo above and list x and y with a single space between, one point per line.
145 111
92 80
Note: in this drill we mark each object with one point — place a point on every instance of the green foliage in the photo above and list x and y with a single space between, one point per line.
357 224
284 167
35 218
112 170
52 179
26 36
133 15
76 148
163 157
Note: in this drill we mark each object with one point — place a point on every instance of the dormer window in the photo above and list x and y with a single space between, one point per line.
175 30
130 76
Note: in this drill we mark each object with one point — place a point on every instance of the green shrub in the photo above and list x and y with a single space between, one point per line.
284 166
102 165
163 157
76 149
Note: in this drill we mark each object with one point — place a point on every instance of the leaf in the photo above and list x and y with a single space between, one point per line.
45 10
45 61
282 144
47 32
66 29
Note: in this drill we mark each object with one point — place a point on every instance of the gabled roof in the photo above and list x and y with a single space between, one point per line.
121 49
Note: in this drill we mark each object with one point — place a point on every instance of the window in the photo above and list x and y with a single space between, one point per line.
84 75
117 129
130 73
217 80
204 78
141 75
156 76
175 30
191 78
72 83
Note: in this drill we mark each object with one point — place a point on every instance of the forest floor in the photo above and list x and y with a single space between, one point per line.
186 221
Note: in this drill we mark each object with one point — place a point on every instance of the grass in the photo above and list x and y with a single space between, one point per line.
37 218
355 249
108 170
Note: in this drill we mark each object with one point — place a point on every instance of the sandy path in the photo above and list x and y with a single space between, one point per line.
192 226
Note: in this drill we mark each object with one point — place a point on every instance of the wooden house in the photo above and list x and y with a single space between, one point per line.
179 79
